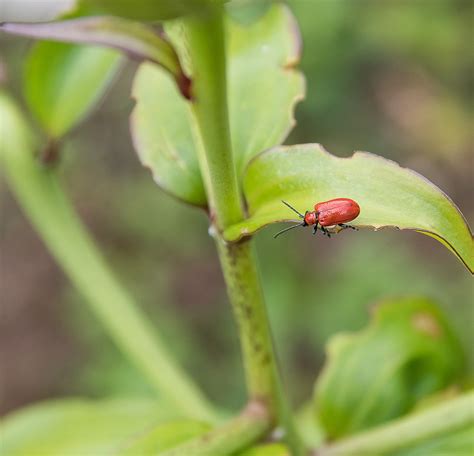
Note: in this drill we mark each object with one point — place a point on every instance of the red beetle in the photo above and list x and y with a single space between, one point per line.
327 214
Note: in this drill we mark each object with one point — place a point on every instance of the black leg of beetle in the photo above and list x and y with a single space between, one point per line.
325 232
343 225
315 228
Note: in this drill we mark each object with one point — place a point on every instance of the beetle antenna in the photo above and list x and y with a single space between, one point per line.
293 209
287 229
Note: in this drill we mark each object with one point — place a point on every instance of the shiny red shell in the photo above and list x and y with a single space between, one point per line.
339 210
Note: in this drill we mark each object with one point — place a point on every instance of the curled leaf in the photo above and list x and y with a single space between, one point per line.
407 352
137 40
388 195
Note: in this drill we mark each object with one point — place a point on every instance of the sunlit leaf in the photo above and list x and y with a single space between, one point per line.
137 40
388 195
76 426
263 89
63 82
407 352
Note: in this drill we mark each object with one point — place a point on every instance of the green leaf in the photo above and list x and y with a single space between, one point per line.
406 353
388 195
444 429
77 426
309 428
264 86
165 436
143 10
63 82
137 40
161 131
263 89
457 442
271 449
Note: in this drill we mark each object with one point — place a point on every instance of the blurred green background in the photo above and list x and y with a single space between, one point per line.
393 78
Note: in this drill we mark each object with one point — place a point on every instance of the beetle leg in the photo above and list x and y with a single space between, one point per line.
315 228
343 225
325 232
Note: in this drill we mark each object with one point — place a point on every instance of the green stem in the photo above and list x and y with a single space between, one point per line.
44 201
244 290
233 436
207 51
238 263
439 420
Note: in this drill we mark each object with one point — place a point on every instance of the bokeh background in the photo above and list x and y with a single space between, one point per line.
393 78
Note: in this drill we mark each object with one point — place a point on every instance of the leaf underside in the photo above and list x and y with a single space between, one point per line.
388 195
137 40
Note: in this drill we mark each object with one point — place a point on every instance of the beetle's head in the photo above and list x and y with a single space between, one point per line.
310 218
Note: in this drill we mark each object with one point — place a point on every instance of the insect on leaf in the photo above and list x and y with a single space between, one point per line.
388 195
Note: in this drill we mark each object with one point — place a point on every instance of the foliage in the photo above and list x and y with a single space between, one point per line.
407 352
74 426
142 9
51 212
209 148
53 65
444 428
260 60
136 40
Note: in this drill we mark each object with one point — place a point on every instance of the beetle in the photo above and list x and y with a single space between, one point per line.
326 214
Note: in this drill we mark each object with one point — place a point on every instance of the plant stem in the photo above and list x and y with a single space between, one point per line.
52 214
207 51
238 263
233 436
441 419
243 287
